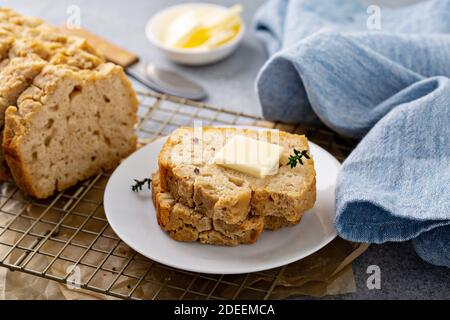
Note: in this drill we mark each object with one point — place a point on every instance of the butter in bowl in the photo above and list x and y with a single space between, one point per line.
196 33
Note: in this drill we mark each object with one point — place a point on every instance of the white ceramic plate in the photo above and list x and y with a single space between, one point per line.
132 217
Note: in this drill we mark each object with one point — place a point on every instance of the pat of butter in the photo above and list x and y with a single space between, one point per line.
202 27
179 31
253 157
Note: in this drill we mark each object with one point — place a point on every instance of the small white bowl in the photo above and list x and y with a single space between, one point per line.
194 57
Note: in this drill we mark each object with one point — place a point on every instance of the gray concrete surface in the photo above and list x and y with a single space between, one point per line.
230 84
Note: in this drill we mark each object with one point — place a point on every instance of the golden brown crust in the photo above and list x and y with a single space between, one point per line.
162 213
185 224
275 223
18 171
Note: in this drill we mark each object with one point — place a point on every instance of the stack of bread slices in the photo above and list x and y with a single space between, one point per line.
198 200
65 114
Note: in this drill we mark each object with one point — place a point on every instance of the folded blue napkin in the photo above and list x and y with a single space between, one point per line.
389 86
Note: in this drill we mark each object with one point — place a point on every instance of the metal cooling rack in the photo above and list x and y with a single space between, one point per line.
55 237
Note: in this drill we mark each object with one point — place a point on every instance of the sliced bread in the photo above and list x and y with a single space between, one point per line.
68 125
187 173
26 46
65 114
186 224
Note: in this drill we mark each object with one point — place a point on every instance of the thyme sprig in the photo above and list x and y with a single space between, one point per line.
297 158
139 184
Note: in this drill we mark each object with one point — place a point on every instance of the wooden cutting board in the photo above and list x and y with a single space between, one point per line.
109 50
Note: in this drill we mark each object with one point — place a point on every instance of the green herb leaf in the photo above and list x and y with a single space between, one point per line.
140 183
297 158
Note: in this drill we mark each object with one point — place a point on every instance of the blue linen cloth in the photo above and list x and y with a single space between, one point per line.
391 88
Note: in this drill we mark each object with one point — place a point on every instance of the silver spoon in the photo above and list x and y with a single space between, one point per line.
166 81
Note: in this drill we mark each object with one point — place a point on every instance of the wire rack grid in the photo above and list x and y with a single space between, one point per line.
67 238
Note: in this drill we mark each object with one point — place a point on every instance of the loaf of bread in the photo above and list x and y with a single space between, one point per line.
26 46
65 113
186 224
189 178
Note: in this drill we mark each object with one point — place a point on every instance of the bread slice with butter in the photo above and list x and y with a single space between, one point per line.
188 173
186 224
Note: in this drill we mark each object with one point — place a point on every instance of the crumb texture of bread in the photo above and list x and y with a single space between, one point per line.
26 46
187 173
189 225
65 113
69 125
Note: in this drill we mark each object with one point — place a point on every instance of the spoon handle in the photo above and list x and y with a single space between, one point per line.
166 81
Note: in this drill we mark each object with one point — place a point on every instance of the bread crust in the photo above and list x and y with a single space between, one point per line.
20 174
188 225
